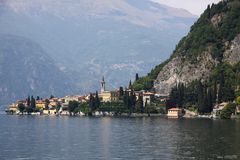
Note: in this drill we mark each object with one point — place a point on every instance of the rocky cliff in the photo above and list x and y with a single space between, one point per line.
213 39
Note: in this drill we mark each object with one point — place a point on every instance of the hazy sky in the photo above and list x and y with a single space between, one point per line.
194 6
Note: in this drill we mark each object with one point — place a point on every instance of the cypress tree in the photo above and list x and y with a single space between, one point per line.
221 86
210 100
130 84
125 98
92 102
121 92
97 100
28 101
140 102
214 92
136 77
33 103
200 97
181 94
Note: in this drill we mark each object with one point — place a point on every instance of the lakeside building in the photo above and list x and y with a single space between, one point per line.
161 97
49 106
147 98
108 96
175 113
67 99
12 108
41 104
49 111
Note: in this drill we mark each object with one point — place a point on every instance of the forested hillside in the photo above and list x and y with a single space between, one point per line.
204 67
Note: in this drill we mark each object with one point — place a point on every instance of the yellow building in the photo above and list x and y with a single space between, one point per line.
175 113
107 96
40 104
12 108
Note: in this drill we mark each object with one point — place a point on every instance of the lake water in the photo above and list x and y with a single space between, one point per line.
70 138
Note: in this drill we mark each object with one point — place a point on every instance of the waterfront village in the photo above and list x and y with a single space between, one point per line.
120 102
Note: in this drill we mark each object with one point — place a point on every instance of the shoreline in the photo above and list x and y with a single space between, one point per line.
78 115
125 115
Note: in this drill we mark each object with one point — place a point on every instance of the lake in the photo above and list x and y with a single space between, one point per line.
70 138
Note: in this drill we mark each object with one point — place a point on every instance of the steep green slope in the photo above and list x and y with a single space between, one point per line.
213 39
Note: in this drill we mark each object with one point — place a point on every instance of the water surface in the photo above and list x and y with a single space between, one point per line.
70 138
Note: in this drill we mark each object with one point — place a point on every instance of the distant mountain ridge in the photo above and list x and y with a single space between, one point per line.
128 10
91 38
25 69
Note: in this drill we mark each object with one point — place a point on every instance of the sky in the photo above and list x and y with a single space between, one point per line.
194 6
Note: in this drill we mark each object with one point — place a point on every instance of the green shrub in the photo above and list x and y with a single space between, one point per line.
227 111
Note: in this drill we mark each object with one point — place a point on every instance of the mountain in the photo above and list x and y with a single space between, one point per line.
210 52
25 69
91 38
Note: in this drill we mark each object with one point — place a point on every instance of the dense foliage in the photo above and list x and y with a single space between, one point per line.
204 35
222 86
209 33
146 82
227 111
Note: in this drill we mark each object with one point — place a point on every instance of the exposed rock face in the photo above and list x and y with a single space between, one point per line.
232 54
216 19
181 70
213 39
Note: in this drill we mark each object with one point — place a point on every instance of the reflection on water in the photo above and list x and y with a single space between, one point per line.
40 137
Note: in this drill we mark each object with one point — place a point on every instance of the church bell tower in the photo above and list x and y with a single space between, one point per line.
103 85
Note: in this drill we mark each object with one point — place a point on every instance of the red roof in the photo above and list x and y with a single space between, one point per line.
174 109
148 93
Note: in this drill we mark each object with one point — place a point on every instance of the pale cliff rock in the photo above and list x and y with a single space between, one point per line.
214 39
180 70
232 54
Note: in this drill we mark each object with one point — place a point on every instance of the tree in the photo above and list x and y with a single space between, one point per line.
126 98
147 108
136 77
92 102
130 84
58 107
97 100
201 104
177 94
208 11
214 94
221 85
47 102
28 101
72 106
51 97
121 92
21 107
139 104
238 100
227 111
209 101
181 95
33 102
